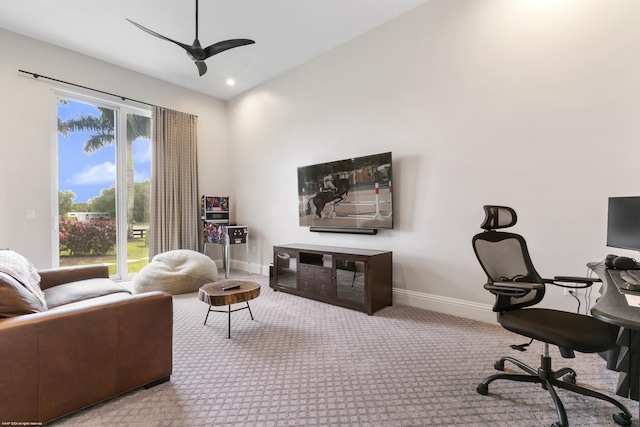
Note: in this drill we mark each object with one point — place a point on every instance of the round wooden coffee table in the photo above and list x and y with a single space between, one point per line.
227 292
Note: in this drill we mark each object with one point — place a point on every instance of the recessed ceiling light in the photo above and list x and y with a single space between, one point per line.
231 82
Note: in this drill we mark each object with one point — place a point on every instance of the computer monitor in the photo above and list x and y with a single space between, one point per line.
623 224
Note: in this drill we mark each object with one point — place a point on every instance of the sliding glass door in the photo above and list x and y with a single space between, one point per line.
104 165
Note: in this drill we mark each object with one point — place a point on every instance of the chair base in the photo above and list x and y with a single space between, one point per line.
548 378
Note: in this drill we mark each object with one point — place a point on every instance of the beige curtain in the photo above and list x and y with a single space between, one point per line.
174 206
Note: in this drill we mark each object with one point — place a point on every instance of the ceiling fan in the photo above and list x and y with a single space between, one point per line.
195 50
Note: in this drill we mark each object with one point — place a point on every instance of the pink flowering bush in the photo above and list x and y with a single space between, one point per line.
94 237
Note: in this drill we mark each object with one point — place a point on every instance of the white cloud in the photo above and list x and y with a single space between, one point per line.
141 151
141 175
104 173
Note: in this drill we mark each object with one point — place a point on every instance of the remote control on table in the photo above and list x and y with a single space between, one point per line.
229 287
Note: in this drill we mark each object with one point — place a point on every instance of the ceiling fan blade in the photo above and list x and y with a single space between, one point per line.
153 33
195 51
202 67
216 48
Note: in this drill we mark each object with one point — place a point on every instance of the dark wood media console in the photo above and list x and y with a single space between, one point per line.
359 279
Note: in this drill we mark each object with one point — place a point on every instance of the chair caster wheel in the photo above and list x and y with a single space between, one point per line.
499 365
622 419
569 378
483 389
556 424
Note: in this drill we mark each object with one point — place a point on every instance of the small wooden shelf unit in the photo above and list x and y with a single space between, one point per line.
359 279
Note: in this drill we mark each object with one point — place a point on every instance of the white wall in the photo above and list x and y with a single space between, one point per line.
27 115
527 103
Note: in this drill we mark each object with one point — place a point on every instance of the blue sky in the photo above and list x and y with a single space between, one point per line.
87 173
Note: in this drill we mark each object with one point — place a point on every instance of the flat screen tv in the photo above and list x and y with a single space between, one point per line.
623 223
351 195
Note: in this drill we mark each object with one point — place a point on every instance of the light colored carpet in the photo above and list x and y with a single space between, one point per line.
306 363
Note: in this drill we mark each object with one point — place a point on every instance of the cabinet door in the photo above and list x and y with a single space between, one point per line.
351 279
286 268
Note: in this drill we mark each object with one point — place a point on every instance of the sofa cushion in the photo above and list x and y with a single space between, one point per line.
21 294
81 290
176 272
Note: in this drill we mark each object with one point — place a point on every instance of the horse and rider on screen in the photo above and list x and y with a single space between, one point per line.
338 188
346 193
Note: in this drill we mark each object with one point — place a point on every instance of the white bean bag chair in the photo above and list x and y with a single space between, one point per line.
176 272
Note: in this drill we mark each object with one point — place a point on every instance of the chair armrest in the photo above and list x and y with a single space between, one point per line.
574 279
512 288
579 282
57 276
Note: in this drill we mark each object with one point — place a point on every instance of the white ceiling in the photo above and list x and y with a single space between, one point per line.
287 33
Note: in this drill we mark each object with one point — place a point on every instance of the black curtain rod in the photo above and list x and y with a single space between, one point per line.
124 98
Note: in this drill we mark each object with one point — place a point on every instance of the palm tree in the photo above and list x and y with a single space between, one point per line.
103 134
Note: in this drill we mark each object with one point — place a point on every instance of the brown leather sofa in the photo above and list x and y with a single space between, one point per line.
93 341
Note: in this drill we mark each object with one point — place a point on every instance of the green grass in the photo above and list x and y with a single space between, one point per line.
136 250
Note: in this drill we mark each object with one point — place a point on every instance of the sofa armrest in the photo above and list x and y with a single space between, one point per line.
59 361
57 276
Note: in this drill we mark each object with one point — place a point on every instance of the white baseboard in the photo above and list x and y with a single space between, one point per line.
244 266
456 307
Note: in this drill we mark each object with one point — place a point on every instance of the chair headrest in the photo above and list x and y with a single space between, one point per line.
498 217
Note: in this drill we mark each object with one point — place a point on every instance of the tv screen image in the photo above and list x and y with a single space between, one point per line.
623 223
347 194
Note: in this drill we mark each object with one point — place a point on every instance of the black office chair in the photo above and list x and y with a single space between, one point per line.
514 281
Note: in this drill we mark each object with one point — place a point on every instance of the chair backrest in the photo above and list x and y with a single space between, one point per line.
504 257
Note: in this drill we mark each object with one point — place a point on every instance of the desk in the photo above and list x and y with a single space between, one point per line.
612 307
